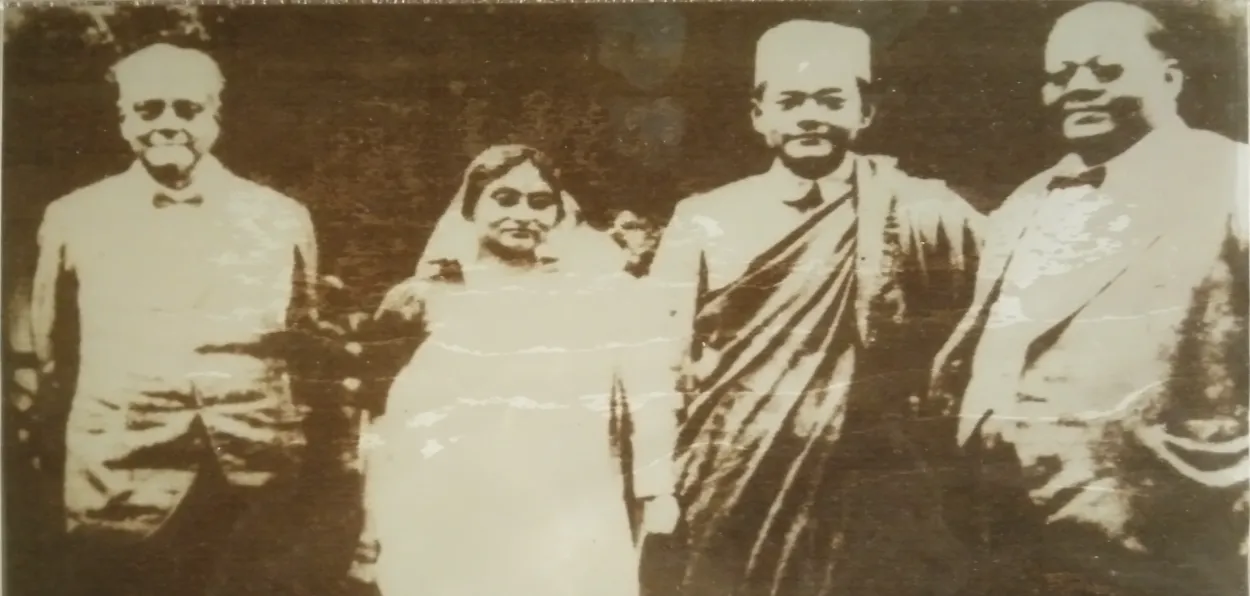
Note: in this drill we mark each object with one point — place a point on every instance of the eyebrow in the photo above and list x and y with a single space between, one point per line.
824 91
1092 61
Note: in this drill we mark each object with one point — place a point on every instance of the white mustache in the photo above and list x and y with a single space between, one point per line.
157 139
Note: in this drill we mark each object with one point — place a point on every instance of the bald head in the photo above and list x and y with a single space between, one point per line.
1105 71
168 98
163 69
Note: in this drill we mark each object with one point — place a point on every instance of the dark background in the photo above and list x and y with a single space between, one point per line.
369 114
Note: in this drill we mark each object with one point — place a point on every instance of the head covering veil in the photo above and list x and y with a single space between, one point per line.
570 245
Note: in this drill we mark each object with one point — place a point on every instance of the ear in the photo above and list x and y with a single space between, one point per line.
757 116
1173 77
870 114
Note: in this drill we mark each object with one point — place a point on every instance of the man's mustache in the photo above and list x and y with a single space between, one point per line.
1116 106
1069 110
156 139
832 135
514 229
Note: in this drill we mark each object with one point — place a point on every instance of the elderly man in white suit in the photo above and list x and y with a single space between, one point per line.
1100 376
803 300
186 274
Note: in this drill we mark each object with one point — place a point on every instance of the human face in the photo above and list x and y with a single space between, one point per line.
810 116
1104 79
632 231
169 129
517 210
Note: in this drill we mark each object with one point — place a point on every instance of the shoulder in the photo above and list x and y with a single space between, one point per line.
586 249
272 199
85 203
926 202
1214 166
1240 208
700 212
1212 143
721 197
909 188
1227 157
253 200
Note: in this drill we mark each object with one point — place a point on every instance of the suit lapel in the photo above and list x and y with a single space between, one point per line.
1011 221
1138 196
998 252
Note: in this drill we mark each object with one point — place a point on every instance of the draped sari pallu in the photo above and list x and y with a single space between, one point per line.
800 474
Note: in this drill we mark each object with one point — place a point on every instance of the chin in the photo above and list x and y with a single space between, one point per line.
799 152
812 166
516 248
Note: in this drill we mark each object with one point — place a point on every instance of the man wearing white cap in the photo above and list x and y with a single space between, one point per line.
186 275
803 300
1100 374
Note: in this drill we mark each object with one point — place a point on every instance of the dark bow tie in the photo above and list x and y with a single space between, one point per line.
162 200
1092 177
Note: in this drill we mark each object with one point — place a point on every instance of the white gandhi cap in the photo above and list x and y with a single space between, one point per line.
163 70
796 46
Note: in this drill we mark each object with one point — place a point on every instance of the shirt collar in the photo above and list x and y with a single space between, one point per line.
208 180
789 187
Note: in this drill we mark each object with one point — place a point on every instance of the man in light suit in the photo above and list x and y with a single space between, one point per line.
187 275
1100 375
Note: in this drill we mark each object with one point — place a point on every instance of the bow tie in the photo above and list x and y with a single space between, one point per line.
1092 177
162 200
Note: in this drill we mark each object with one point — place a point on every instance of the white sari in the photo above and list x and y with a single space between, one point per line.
494 470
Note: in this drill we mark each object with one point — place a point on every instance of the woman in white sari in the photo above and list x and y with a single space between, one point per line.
514 442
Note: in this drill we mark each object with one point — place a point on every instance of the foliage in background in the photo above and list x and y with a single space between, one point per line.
117 28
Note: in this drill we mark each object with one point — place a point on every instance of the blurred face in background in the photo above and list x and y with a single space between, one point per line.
1105 81
810 116
516 211
633 233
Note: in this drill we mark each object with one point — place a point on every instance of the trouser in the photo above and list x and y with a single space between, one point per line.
177 558
221 540
1191 540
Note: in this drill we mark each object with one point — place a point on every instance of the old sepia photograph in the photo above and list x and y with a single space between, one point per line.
787 298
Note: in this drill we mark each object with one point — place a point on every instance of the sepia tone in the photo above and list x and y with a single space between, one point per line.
974 355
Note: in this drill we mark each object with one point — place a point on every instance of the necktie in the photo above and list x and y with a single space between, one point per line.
1092 177
162 200
811 200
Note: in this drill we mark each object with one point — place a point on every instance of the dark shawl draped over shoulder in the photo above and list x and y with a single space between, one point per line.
806 471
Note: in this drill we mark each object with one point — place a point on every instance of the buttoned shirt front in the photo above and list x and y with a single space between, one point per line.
163 274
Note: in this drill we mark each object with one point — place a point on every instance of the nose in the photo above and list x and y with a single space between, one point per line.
1084 82
523 212
811 125
812 116
169 119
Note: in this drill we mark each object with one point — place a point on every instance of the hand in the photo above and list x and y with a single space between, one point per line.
405 300
660 514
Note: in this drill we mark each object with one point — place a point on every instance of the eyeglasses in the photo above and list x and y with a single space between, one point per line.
184 109
1103 73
